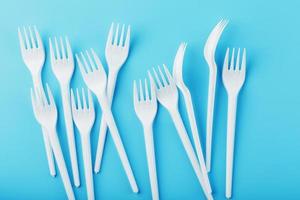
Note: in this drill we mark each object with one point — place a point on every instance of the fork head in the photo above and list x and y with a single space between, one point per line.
145 105
45 111
92 72
234 74
212 42
166 90
177 66
117 47
62 61
84 112
32 49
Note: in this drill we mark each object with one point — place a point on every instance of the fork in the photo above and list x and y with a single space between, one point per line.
167 95
233 79
63 66
145 106
209 55
116 53
33 55
45 112
95 78
84 117
178 78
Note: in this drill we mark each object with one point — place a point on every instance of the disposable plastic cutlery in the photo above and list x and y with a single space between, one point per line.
233 79
45 112
145 106
116 53
167 95
178 78
95 78
84 117
33 55
209 54
62 63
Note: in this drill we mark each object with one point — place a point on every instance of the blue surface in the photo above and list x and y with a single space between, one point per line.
267 160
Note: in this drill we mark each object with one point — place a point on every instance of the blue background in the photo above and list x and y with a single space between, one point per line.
267 160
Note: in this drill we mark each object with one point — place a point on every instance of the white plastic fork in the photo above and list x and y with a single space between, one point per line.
45 112
84 118
178 78
233 79
33 55
116 53
95 78
62 63
167 95
209 55
145 106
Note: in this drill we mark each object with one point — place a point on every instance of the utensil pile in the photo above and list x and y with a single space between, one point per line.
160 87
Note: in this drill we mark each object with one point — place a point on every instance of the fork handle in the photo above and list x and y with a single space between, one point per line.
49 153
65 93
210 116
195 134
189 150
61 163
111 83
148 133
87 159
107 114
231 119
37 83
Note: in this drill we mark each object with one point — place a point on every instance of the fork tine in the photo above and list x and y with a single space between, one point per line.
26 38
83 99
52 56
33 43
57 49
121 42
243 65
91 61
142 97
237 64
98 62
127 40
226 60
135 93
90 99
146 91
214 31
80 65
73 101
162 76
221 29
69 49
78 100
63 53
38 38
152 87
50 96
157 79
116 37
110 35
85 63
168 74
232 60
22 45
216 28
